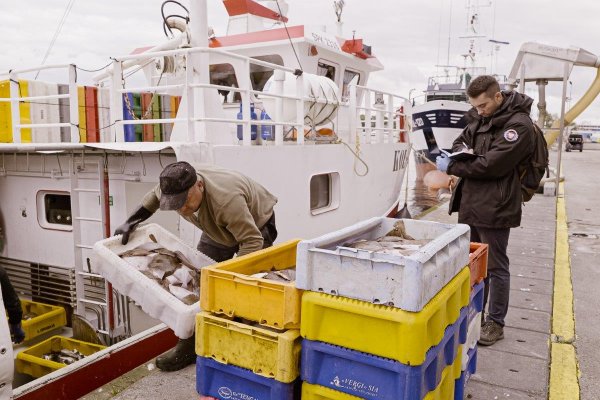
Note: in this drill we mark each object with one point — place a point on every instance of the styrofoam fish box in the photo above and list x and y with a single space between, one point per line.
222 381
154 300
406 282
461 382
369 376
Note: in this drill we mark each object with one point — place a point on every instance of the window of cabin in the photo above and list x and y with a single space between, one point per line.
224 75
326 70
259 75
54 210
350 78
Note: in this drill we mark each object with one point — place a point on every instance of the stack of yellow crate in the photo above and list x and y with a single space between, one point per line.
356 349
247 336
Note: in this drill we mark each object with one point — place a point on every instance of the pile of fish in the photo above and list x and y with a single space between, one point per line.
396 241
284 275
28 315
64 356
170 269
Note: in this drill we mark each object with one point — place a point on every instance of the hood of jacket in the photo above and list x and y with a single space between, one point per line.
513 103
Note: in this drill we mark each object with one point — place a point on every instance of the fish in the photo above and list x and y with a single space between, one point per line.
399 230
64 356
172 270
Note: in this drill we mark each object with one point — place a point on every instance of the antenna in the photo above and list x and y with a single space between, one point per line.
495 50
338 6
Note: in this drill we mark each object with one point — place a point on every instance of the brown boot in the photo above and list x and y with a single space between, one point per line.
182 355
491 332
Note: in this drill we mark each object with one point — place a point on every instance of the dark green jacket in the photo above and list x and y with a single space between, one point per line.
489 192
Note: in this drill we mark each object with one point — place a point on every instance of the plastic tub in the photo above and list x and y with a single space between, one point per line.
30 361
265 352
228 288
406 282
478 260
154 300
220 381
384 331
48 318
368 376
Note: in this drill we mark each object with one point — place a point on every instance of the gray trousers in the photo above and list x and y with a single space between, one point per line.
219 252
497 283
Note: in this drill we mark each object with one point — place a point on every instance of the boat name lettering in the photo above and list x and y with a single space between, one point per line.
325 41
400 159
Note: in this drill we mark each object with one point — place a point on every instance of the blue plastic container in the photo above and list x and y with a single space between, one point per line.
371 377
253 128
129 129
267 132
229 382
476 301
461 383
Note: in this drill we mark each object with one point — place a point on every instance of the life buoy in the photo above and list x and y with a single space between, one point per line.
401 125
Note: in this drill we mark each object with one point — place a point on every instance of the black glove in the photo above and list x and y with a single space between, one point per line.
139 215
16 332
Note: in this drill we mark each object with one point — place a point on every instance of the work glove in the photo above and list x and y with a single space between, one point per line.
139 215
16 333
442 162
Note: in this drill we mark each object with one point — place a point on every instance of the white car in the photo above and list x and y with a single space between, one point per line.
595 137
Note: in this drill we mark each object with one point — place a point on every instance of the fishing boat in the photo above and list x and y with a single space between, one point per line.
289 106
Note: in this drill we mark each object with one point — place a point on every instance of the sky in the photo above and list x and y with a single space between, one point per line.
410 37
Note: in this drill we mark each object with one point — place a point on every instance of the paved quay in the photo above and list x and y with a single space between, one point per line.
518 367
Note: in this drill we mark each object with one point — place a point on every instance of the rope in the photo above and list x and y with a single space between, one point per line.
61 23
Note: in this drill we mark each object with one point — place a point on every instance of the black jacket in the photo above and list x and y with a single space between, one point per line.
489 191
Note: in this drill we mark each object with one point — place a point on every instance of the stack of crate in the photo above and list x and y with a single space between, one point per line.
247 336
478 257
384 326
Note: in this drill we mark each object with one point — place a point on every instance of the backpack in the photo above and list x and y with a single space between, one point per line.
532 170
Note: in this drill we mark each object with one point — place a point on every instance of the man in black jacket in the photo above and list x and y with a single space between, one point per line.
12 304
488 194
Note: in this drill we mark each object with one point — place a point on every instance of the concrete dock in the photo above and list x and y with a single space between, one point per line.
537 359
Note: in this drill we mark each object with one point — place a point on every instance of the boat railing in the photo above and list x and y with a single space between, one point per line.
380 116
15 99
386 111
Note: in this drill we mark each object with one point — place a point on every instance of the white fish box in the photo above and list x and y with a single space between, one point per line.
473 335
406 282
154 300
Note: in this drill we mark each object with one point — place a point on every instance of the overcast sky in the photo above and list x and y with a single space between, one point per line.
409 36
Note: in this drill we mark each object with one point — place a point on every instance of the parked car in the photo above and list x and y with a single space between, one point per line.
575 142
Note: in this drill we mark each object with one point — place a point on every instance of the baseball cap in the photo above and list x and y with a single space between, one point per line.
175 181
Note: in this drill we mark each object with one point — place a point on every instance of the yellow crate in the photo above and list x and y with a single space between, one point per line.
30 361
444 391
6 113
226 288
266 352
384 331
48 318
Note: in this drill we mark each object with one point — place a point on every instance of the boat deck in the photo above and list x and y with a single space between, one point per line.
540 356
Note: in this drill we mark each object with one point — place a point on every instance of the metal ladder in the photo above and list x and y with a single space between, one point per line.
107 324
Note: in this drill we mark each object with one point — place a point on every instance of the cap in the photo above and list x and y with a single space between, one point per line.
175 181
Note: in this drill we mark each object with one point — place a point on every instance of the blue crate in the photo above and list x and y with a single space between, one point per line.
461 383
230 382
371 377
476 301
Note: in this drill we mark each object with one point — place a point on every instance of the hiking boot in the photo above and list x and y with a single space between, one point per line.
182 355
491 332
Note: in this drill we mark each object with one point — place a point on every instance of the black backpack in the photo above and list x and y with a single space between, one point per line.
532 170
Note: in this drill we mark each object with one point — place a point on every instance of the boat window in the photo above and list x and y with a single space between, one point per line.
224 75
350 78
259 75
452 97
326 70
54 210
324 192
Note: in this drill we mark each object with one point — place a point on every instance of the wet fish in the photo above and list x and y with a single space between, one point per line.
64 356
172 270
399 230
283 275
